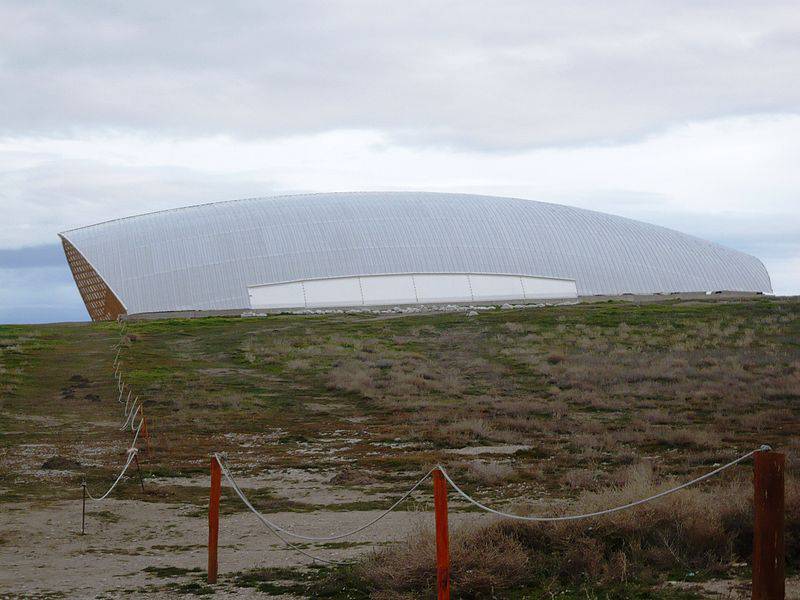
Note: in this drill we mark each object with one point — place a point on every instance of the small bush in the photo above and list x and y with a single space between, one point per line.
699 530
482 560
487 473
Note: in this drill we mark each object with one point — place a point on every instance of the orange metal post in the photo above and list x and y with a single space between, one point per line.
442 539
83 511
768 549
213 519
146 432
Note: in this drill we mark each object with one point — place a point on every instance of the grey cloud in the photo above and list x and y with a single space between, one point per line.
499 76
39 295
46 255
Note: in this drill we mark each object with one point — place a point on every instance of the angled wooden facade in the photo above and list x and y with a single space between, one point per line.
100 301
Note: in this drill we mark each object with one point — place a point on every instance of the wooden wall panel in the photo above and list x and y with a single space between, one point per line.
100 301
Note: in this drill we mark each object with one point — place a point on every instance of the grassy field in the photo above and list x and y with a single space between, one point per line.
546 409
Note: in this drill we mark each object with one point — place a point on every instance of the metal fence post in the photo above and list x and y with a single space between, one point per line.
768 547
213 519
442 538
83 509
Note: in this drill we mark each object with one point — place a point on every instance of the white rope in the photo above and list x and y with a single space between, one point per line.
598 513
297 548
312 538
130 413
136 431
131 454
133 410
267 523
132 451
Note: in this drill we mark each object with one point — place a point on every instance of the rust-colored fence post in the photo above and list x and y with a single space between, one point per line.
768 551
213 519
442 538
146 433
83 510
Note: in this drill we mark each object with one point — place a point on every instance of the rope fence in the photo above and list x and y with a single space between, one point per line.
131 410
280 532
441 478
606 511
131 455
312 538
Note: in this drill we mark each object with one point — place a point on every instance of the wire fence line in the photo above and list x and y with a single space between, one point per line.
131 455
280 532
311 538
606 511
129 412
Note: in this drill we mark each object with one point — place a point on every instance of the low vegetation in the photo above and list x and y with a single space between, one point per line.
573 406
699 533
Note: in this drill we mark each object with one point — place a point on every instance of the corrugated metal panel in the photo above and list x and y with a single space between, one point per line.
205 257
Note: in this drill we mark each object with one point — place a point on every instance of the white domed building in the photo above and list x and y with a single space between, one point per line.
386 248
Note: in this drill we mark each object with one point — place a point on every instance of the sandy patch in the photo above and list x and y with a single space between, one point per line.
44 551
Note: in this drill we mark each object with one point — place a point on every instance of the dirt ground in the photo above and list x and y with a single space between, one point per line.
44 555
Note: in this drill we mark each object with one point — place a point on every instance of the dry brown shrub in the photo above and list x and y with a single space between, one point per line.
352 477
699 529
692 438
352 376
518 327
482 560
471 429
487 472
581 479
658 417
765 419
298 364
450 383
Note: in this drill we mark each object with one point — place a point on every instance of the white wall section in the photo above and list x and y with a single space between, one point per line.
407 288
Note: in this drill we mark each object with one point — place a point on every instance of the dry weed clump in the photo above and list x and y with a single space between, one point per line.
352 376
482 560
486 472
268 351
700 530
581 479
470 429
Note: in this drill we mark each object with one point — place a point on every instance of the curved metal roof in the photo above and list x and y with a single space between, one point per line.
204 257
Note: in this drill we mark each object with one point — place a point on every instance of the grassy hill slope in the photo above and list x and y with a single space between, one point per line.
573 398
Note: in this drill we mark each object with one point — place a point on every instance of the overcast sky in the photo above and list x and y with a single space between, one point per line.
683 114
